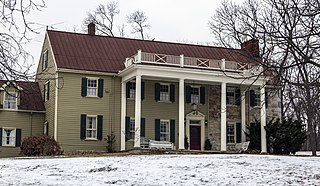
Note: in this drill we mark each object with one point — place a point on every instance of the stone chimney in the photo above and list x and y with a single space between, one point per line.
91 29
251 46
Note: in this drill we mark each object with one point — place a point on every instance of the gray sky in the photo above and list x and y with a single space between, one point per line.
170 20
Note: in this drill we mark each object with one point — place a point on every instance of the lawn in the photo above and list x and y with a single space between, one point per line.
162 170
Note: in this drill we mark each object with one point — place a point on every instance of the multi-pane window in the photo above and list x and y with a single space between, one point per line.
8 137
10 100
231 96
92 87
91 128
45 60
256 98
231 133
164 130
195 95
132 90
164 92
132 128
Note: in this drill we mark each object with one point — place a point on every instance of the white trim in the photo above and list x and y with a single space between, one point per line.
97 86
51 49
243 114
16 98
75 71
167 121
137 113
223 117
197 116
19 110
263 116
42 62
96 129
55 126
234 131
3 87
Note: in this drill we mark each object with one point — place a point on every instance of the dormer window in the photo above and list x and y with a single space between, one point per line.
10 100
45 60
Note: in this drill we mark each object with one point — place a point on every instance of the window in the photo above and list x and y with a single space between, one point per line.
231 132
164 92
45 128
254 98
8 137
46 91
132 128
10 100
132 90
231 96
45 60
195 95
164 130
92 87
91 128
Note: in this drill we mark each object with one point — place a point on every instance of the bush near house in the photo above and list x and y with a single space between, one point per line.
285 137
282 137
40 146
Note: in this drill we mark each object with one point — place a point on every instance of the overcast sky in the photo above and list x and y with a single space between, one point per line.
170 20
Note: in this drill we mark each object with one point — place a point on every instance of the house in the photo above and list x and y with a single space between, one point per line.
22 114
94 86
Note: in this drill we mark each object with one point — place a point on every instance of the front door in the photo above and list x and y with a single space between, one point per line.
195 137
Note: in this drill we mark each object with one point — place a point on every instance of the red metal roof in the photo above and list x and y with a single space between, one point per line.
108 54
30 96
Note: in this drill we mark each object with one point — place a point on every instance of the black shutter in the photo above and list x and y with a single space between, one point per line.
202 95
266 99
84 87
128 85
44 92
157 91
238 96
47 128
127 128
252 98
48 91
157 130
100 88
83 121
172 91
18 137
142 90
143 127
100 127
172 131
188 94
0 136
238 132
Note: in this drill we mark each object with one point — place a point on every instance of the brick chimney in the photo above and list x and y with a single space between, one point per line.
251 46
91 29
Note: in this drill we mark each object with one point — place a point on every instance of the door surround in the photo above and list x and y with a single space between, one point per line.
196 115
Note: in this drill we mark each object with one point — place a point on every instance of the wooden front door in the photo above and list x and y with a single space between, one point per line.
195 137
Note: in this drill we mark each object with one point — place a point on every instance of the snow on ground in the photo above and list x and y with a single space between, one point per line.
163 170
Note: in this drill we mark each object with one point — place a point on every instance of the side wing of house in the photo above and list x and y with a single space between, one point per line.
18 117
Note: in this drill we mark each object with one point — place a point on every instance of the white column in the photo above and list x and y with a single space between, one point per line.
137 115
181 114
263 120
123 116
223 117
181 60
243 114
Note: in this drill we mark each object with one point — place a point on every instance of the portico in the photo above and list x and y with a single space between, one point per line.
183 70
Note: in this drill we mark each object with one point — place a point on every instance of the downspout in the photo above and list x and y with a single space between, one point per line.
31 123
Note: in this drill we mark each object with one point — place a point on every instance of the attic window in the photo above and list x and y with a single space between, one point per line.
10 100
45 60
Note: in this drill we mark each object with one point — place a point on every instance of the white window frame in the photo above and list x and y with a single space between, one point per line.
45 127
132 128
5 102
92 128
165 96
231 90
195 98
92 88
132 90
4 136
231 138
46 85
165 135
45 59
257 98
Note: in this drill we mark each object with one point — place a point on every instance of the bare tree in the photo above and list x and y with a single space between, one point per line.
103 17
289 35
14 29
138 21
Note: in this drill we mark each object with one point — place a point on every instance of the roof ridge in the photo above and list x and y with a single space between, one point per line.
141 40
